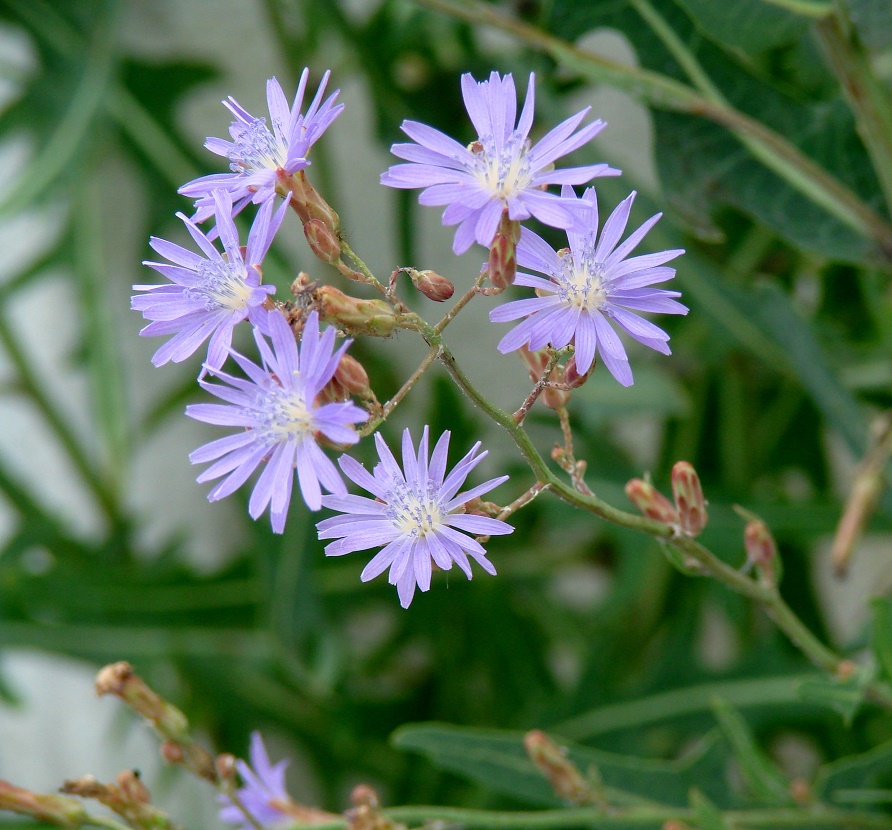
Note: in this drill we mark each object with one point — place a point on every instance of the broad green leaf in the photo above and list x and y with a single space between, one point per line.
762 777
497 760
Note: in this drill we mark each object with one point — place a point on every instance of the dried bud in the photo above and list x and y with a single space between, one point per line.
374 317
307 202
761 549
54 809
362 795
120 679
571 375
689 499
323 241
226 766
172 752
552 762
303 284
432 285
132 786
651 502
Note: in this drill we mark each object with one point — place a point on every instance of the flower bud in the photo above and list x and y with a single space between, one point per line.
502 262
225 765
555 398
306 200
565 779
172 752
432 285
651 502
374 317
761 550
352 376
120 679
53 809
323 241
571 375
689 499
362 795
132 786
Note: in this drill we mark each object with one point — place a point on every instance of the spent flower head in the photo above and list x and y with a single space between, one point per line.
501 170
207 295
592 284
257 153
279 421
417 515
264 787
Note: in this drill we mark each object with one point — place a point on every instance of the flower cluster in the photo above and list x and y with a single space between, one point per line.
294 402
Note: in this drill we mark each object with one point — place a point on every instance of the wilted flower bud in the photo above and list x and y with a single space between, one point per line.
172 752
307 202
432 285
225 765
555 398
132 786
689 499
374 317
323 241
54 809
651 502
553 763
120 679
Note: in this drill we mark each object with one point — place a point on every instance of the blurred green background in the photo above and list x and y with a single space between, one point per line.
108 549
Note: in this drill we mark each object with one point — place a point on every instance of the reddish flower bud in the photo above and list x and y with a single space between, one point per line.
306 201
374 317
172 752
323 241
502 262
651 502
689 499
555 398
432 285
132 787
362 795
226 766
761 549
572 376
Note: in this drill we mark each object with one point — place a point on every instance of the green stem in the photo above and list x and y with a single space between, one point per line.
867 99
662 92
576 817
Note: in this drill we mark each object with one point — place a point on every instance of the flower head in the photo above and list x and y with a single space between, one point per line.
207 295
501 170
264 787
592 284
279 420
256 154
417 515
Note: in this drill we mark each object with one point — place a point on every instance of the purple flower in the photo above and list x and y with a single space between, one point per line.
592 284
207 294
417 515
278 420
500 170
264 785
256 155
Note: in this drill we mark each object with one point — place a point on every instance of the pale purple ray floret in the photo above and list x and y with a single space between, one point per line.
592 284
278 419
417 515
501 169
256 153
207 295
264 786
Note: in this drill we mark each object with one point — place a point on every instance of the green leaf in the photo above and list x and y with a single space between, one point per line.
749 25
881 636
709 817
763 779
497 760
872 770
845 696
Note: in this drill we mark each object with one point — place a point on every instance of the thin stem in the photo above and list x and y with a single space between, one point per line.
369 277
867 99
541 383
392 404
465 299
771 148
230 793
